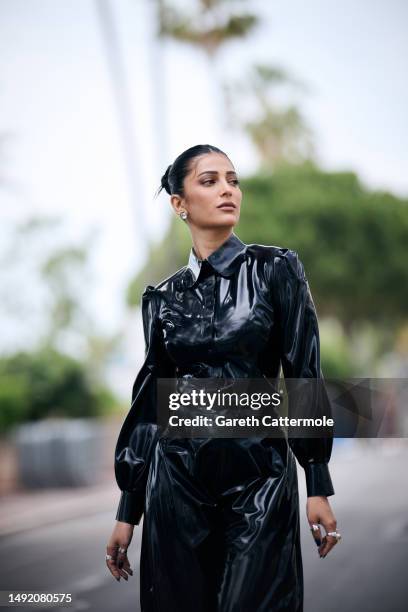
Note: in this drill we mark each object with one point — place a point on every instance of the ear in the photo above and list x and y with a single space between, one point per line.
177 203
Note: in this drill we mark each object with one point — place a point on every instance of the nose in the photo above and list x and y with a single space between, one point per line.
226 188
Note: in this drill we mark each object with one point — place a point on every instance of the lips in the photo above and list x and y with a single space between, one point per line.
227 205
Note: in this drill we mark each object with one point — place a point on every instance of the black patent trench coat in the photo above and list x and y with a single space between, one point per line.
245 311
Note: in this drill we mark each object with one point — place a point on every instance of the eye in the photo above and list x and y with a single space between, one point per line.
210 181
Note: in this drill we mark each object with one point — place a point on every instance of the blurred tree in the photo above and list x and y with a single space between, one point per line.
210 27
177 241
124 111
46 383
278 130
280 135
59 270
338 359
352 240
45 285
43 295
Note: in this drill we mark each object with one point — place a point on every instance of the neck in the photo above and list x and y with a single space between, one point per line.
207 241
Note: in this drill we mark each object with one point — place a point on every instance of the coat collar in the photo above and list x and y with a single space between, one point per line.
224 260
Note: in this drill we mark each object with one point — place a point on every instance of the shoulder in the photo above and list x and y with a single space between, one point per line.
154 296
163 288
280 261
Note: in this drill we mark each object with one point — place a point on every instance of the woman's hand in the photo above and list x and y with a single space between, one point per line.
318 510
119 541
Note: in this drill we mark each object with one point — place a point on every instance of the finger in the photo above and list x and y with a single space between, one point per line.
328 540
125 571
328 543
122 564
111 564
316 533
127 568
117 572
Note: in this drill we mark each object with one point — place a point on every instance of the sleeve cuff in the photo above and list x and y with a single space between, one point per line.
131 506
318 480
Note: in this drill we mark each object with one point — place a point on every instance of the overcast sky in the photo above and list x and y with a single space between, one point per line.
64 152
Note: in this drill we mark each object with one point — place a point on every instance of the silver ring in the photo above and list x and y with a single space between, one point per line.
122 550
314 527
108 557
335 534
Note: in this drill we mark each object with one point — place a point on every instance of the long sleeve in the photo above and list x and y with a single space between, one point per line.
139 432
300 358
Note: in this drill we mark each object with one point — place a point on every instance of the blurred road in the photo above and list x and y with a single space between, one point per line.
367 571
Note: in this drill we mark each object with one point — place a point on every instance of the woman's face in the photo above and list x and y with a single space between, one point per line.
212 196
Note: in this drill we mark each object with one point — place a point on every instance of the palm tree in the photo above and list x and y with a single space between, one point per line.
210 28
157 78
279 133
122 99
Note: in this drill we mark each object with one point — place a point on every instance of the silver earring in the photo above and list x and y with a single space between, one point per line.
183 215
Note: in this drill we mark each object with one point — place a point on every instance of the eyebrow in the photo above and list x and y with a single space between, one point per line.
216 172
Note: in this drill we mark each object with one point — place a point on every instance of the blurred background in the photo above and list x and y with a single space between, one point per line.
97 98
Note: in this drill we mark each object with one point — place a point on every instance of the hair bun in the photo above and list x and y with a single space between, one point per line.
165 180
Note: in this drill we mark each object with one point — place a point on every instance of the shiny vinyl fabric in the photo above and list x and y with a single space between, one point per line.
221 516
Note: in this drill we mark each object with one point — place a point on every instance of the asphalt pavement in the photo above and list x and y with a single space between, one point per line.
55 542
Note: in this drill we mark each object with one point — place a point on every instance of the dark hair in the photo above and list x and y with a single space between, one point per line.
173 179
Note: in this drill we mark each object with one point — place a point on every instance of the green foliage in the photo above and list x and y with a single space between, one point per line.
164 259
47 384
351 241
194 28
337 358
279 131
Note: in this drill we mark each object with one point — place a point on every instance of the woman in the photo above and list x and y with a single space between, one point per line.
221 517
